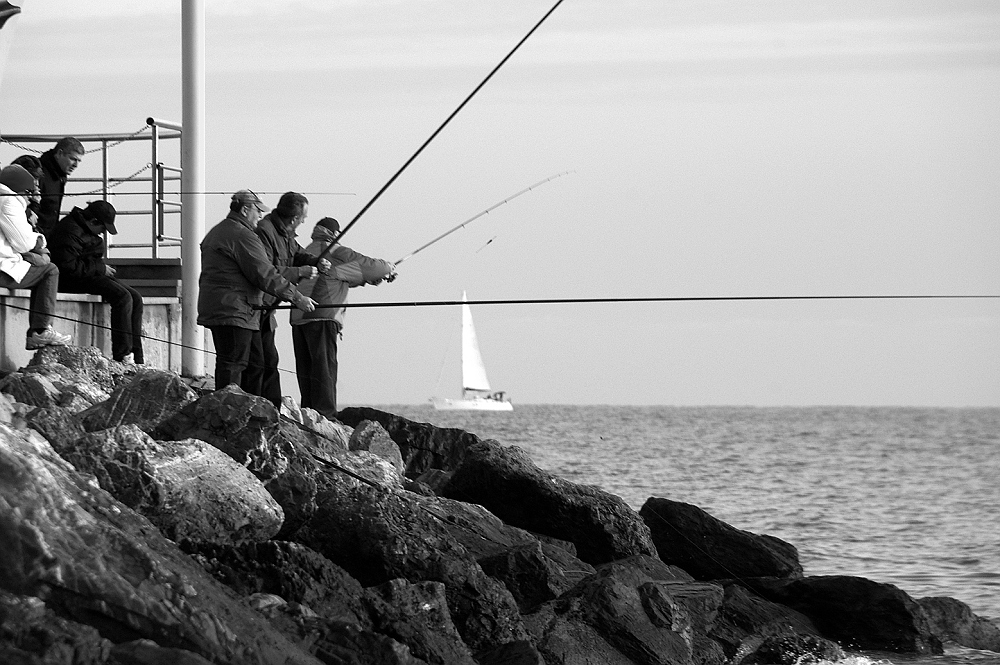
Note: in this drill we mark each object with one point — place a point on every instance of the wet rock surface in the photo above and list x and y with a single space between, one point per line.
142 523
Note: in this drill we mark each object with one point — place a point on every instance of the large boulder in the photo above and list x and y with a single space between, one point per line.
97 562
952 620
372 437
379 534
188 488
709 549
505 480
60 426
625 615
751 629
151 396
289 570
422 446
283 453
75 365
856 612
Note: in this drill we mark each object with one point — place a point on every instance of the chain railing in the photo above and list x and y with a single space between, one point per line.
161 206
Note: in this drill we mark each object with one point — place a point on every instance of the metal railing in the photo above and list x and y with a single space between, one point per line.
161 206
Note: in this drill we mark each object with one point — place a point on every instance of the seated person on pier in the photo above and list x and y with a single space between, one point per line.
33 166
78 248
24 258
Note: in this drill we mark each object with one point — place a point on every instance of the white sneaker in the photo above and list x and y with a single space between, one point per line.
129 359
47 337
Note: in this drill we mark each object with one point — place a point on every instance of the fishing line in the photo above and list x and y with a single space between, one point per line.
556 301
438 130
480 214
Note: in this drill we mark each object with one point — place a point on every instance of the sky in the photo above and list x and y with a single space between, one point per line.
715 148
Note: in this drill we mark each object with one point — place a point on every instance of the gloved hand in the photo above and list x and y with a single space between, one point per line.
323 266
307 272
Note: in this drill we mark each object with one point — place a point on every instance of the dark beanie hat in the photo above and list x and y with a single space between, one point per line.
17 178
329 223
103 214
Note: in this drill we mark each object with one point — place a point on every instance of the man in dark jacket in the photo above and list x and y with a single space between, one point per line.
57 164
235 274
277 232
78 249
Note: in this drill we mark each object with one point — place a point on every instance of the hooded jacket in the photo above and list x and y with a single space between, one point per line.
16 234
77 246
235 273
347 268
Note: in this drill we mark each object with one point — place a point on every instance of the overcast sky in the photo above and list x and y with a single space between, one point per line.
717 148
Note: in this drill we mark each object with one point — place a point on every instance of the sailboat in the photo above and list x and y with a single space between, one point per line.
476 392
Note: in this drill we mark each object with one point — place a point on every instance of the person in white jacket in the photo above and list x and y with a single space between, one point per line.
24 258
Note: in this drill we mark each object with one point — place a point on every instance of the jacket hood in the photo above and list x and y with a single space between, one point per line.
322 233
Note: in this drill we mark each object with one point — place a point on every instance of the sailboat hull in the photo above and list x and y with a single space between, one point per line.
473 404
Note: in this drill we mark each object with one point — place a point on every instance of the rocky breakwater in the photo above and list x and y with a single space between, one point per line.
142 522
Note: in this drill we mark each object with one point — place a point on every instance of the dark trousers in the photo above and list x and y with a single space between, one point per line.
261 376
43 282
315 345
126 311
232 350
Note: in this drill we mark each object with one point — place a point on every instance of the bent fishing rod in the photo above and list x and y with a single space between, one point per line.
409 161
556 301
480 214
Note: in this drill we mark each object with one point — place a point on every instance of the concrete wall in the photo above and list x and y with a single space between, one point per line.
88 321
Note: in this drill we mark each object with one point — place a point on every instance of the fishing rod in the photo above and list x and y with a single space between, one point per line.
551 301
436 132
477 216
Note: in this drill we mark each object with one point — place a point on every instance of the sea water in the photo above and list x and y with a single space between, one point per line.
907 496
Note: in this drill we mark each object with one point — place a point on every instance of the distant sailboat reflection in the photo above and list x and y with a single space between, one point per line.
476 392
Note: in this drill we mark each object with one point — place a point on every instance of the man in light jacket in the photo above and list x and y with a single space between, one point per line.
24 258
314 334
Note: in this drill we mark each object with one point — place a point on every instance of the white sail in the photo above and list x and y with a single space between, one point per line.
473 369
476 392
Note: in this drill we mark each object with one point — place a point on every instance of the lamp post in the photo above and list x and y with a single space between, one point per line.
192 181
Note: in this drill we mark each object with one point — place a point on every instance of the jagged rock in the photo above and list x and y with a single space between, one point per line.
746 621
709 549
417 615
330 429
534 576
96 561
80 364
60 426
32 389
504 480
148 398
952 620
148 652
188 489
289 570
521 652
7 409
340 642
856 612
378 535
30 632
372 437
627 616
422 446
434 479
789 649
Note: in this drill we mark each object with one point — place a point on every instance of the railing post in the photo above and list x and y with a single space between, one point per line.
157 190
192 181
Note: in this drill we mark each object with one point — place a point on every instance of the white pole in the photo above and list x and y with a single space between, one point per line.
192 181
